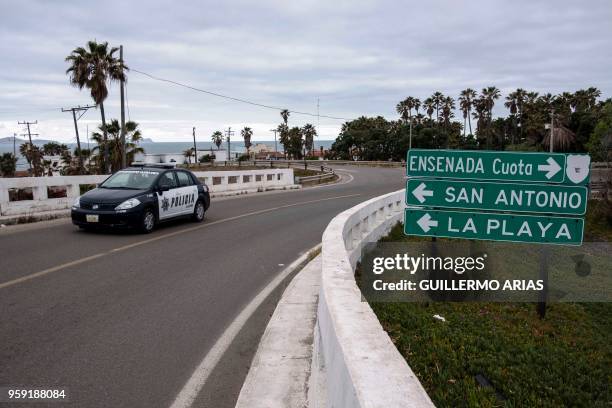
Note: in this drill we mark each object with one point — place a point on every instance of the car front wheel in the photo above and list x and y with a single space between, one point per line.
198 211
148 221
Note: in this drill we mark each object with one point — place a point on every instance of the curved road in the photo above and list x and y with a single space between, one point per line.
123 320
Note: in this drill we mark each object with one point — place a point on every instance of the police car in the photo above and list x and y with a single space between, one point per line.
141 196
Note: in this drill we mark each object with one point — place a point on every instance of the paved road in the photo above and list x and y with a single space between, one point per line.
122 320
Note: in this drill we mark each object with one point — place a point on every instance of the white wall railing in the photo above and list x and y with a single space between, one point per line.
362 366
37 189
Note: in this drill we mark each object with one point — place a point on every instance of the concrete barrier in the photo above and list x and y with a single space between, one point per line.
35 191
361 364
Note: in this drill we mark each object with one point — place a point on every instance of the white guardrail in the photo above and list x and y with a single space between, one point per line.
27 195
362 366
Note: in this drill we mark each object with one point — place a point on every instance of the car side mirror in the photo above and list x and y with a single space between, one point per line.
161 189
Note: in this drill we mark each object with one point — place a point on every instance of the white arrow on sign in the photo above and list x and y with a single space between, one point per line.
551 168
425 222
420 193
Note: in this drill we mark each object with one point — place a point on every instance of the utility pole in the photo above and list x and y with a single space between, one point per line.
29 135
318 116
195 148
229 133
123 152
28 125
275 148
82 109
410 138
14 144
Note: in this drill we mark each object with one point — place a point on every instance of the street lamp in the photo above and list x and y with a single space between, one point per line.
275 149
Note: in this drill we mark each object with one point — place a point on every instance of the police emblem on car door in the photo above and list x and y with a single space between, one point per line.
165 198
186 193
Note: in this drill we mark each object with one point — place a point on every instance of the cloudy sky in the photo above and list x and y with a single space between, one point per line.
359 57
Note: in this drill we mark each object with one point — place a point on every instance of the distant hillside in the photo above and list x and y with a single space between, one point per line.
9 140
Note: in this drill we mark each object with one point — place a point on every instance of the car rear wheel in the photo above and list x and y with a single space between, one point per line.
198 211
148 221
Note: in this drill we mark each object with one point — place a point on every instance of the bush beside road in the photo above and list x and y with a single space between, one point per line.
502 354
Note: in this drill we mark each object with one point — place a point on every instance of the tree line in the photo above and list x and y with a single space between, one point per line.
83 161
581 123
297 142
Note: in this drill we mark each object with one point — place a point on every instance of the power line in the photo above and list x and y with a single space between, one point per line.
261 105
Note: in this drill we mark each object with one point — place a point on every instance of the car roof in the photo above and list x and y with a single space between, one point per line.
147 168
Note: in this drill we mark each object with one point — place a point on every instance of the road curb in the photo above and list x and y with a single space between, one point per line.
33 217
281 369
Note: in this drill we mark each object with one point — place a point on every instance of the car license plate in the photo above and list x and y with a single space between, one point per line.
91 217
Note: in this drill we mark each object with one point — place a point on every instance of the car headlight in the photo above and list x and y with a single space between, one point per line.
127 204
205 188
77 203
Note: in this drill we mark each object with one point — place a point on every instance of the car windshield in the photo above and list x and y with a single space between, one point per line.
131 179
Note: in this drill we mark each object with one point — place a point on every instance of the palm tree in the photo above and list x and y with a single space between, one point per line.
429 107
512 105
247 133
217 138
438 99
592 94
480 114
114 145
466 101
448 105
309 133
34 157
53 149
285 115
188 153
417 105
283 137
8 165
402 109
490 94
520 96
93 68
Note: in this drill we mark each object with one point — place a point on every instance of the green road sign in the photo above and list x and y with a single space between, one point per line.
516 197
493 226
503 166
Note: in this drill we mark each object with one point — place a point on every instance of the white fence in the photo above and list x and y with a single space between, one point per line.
27 195
362 366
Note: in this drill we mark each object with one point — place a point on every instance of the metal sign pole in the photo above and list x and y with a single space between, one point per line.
543 295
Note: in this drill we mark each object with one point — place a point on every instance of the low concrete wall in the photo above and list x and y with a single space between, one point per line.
363 367
246 180
218 181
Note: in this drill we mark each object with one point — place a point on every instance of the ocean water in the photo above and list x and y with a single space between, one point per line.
165 147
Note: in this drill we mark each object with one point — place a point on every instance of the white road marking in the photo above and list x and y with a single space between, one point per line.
194 385
157 238
350 180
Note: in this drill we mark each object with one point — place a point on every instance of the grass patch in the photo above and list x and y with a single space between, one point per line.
305 173
563 360
502 354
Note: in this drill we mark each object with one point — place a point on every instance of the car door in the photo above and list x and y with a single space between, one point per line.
166 199
187 193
